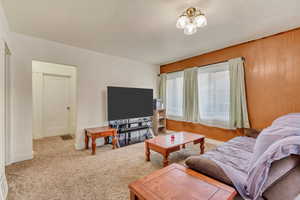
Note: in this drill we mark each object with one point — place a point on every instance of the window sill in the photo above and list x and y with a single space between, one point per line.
177 118
204 123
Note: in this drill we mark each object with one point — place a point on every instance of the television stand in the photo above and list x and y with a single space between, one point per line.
131 131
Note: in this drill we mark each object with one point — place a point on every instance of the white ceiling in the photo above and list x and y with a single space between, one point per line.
145 30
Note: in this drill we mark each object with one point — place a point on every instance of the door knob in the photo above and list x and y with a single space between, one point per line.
68 108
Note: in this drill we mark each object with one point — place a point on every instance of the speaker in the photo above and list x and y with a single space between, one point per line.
154 104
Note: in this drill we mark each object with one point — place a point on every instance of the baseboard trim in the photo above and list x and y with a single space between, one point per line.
8 163
3 188
81 146
20 158
78 146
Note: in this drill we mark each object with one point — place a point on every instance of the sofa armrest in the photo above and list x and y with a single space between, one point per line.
287 187
251 132
281 168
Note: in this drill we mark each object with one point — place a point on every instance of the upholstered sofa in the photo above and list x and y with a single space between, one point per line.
283 181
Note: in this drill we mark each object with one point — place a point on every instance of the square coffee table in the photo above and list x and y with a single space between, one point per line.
166 144
175 182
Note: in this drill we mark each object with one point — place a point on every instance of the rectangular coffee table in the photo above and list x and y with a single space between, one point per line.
165 144
175 182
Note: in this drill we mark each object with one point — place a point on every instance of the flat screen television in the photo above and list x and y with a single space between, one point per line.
127 103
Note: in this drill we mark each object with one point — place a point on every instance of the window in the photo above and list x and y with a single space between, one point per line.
174 94
214 94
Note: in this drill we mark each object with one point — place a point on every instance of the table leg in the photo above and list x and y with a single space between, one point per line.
147 151
166 161
93 146
133 196
202 146
86 141
114 142
118 143
106 140
115 137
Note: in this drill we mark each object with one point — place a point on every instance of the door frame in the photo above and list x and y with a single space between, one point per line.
39 69
8 108
3 120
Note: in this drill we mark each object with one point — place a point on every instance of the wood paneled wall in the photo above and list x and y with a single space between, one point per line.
272 75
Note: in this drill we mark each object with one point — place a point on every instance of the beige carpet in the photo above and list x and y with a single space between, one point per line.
58 171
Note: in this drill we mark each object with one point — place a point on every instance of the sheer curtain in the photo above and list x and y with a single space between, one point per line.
163 88
238 101
190 95
214 95
174 92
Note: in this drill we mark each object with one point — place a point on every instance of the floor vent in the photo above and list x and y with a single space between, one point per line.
67 137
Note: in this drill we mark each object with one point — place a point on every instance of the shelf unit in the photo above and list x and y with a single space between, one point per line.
159 123
131 131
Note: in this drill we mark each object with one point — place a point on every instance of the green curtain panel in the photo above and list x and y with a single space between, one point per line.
238 114
163 89
190 95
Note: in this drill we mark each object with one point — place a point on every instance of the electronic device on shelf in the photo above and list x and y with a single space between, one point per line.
128 103
130 111
158 104
132 131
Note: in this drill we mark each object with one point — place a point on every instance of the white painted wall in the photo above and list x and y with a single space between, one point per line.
95 72
39 70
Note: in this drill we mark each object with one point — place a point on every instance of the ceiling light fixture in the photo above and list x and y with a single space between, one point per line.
190 20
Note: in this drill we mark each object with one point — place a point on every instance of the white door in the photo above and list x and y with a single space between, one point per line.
56 105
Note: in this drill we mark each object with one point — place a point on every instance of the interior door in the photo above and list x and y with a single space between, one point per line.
56 105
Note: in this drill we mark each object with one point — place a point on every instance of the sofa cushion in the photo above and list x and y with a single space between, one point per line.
251 132
235 153
207 167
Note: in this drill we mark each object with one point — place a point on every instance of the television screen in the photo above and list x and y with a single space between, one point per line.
126 103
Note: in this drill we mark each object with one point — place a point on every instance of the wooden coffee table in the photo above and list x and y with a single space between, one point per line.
165 144
176 182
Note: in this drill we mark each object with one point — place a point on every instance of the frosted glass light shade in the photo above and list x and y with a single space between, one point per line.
182 22
200 21
190 29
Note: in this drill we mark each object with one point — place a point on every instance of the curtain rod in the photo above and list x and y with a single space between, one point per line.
243 58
